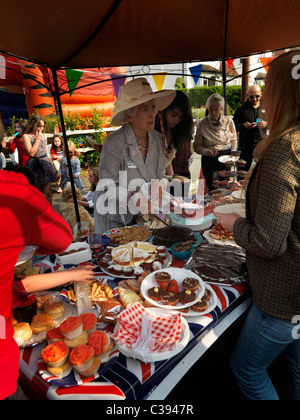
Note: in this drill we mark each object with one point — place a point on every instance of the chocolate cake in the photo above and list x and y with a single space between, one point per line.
169 236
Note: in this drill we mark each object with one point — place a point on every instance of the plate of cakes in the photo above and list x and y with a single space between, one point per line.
78 351
173 288
124 235
130 260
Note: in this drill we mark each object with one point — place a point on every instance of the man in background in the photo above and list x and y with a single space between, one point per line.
250 124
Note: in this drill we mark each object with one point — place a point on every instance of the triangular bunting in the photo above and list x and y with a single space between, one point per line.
229 63
265 61
196 72
73 77
159 80
118 80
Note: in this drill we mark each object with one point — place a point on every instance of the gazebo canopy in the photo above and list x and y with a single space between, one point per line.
93 33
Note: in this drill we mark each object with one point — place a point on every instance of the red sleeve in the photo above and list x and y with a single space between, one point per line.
53 152
11 147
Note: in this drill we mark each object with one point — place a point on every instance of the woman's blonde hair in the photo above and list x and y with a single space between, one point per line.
281 99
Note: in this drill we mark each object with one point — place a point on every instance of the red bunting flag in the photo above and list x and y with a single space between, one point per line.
229 63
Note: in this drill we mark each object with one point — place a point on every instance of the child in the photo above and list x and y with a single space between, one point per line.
88 200
63 172
16 142
57 152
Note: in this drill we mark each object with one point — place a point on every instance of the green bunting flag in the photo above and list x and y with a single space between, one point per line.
73 77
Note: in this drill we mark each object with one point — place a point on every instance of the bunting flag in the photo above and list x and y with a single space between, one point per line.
159 80
229 63
73 77
265 61
196 72
118 80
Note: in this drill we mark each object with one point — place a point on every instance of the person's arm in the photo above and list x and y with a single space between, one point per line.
267 235
31 149
40 282
198 143
11 145
233 135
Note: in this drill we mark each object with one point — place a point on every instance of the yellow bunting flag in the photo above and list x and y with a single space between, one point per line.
159 80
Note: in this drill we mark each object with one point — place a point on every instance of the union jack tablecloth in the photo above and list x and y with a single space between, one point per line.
127 378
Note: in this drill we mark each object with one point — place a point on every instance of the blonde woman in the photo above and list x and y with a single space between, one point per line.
271 236
39 161
63 172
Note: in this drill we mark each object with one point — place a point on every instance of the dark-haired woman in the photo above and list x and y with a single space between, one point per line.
176 125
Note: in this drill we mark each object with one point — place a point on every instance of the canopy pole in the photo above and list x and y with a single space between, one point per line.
224 58
63 130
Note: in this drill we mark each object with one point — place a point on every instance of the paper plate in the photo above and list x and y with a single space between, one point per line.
232 208
239 195
178 274
166 264
227 158
158 356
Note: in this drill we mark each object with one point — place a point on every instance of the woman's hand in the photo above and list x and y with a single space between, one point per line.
212 153
227 220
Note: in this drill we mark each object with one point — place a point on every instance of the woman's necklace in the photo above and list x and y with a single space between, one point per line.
144 147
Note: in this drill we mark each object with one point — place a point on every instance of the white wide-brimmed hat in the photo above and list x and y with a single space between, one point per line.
137 92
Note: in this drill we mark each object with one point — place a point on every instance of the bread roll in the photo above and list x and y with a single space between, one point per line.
42 322
22 332
54 307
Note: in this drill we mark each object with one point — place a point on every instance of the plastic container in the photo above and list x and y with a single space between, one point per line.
76 257
182 256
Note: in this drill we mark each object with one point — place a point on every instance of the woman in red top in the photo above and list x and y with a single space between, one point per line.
17 143
26 217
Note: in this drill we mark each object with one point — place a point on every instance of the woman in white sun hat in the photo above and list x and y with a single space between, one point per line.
130 156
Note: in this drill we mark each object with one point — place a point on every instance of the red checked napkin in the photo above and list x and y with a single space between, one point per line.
144 332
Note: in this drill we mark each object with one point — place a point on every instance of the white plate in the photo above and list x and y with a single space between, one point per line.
178 274
239 195
226 158
26 254
167 262
232 208
211 240
166 197
158 356
212 303
193 205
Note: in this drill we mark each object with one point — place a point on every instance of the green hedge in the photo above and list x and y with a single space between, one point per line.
199 95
